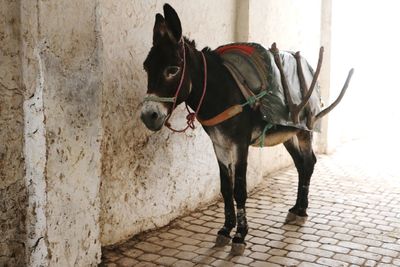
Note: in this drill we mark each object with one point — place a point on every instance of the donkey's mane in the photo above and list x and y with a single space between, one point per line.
206 49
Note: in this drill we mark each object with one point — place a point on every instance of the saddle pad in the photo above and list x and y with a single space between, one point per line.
255 67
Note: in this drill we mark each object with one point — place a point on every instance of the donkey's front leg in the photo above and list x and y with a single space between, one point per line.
223 237
240 195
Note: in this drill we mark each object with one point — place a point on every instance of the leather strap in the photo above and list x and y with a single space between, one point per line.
223 116
240 81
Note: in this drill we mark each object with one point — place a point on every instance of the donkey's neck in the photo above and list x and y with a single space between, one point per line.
221 91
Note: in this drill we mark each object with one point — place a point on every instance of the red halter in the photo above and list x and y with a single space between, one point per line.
191 115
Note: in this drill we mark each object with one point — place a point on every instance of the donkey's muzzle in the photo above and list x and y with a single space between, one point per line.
153 120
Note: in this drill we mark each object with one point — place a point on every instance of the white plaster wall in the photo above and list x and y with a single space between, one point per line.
294 26
151 178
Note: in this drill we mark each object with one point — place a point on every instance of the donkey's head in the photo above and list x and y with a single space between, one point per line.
167 81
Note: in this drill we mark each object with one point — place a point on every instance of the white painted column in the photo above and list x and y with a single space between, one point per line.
60 51
325 74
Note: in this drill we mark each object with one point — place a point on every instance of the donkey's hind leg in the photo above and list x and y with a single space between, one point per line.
240 195
300 148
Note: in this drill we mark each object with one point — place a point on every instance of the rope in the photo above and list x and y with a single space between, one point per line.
159 99
191 117
253 99
266 128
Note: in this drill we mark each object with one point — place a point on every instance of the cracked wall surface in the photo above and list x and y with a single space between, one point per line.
13 198
67 51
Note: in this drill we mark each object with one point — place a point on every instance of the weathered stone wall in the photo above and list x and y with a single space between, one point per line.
13 198
60 52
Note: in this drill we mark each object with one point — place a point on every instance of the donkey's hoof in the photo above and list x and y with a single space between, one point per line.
300 220
238 249
290 218
222 241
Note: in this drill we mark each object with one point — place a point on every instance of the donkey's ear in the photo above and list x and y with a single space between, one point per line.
160 28
173 22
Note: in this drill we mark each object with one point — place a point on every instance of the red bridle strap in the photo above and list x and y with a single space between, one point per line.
191 117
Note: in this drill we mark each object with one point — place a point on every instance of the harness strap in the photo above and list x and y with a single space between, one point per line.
223 116
231 111
240 81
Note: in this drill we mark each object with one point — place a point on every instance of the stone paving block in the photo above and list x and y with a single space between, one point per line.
132 253
187 240
386 259
166 261
276 244
183 263
259 256
223 263
345 237
396 262
335 248
319 252
145 264
259 248
291 240
327 240
258 241
301 256
367 241
185 255
331 262
352 245
308 264
370 263
349 259
169 252
309 237
294 247
263 264
310 244
167 235
181 232
277 252
366 255
148 257
221 254
242 260
203 260
283 261
127 262
383 251
187 248
170 243
293 234
391 246
148 247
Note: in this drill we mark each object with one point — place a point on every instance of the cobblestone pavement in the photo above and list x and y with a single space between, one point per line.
354 220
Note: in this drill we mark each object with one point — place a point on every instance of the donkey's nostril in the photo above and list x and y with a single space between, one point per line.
154 115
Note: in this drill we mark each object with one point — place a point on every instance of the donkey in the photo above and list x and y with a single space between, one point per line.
177 72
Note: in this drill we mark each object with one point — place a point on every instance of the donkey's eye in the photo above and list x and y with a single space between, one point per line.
171 71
